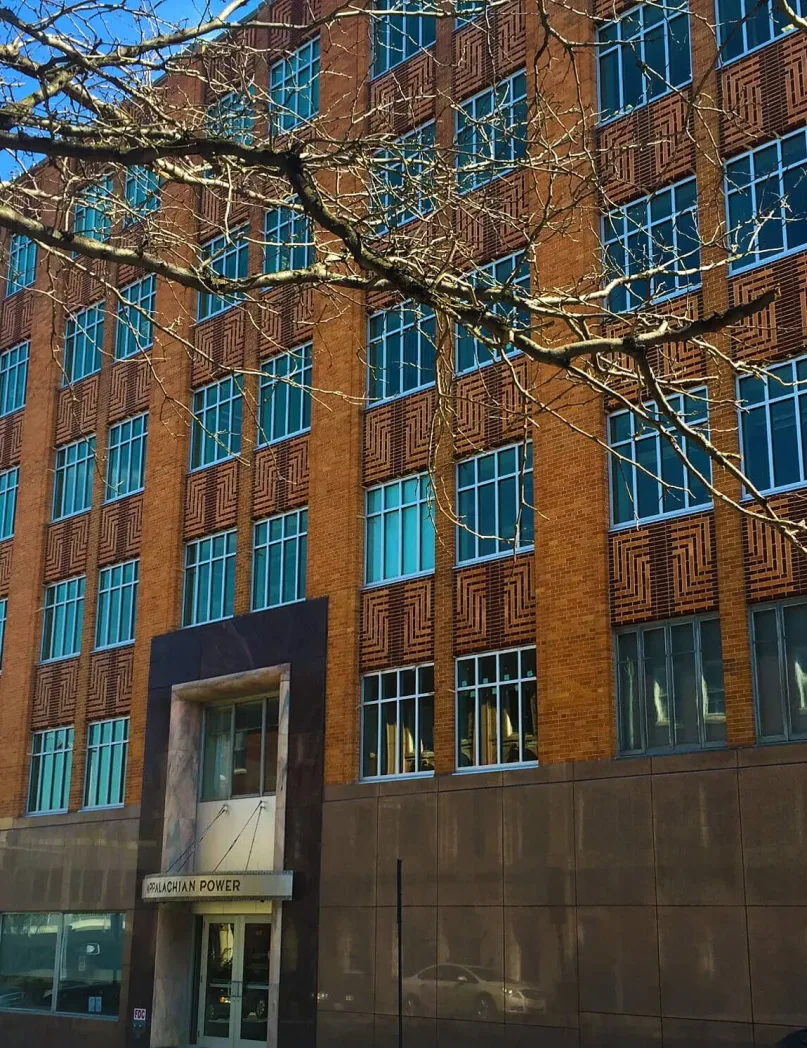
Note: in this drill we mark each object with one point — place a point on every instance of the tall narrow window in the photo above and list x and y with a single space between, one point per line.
495 503
3 613
404 178
232 117
279 560
141 190
209 579
497 709
134 332
294 87
126 457
398 722
511 273
397 37
105 772
116 612
21 263
779 636
284 395
648 478
400 351
63 619
492 132
93 211
227 256
239 750
83 343
643 55
13 378
745 25
9 481
216 430
72 478
51 764
288 241
773 426
670 692
399 529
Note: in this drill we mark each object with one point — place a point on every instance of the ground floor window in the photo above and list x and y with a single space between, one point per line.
61 962
398 722
497 709
779 634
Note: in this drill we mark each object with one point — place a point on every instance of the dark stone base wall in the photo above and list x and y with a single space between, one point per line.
645 902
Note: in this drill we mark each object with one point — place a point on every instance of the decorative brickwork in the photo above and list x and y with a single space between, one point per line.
82 287
6 550
219 346
494 604
280 477
397 624
215 208
493 221
15 318
490 410
55 686
287 18
109 690
664 569
121 530
774 567
211 497
66 550
404 97
129 388
77 410
488 49
286 316
778 330
397 436
10 440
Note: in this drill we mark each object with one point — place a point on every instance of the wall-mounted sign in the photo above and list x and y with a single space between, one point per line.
167 887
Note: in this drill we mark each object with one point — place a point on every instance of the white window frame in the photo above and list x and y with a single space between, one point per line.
141 191
403 177
73 475
83 344
64 609
293 537
22 257
3 617
14 378
227 255
92 212
484 166
212 405
9 483
60 745
294 87
741 27
116 605
395 514
523 476
193 563
419 32
390 327
288 240
284 376
107 757
134 328
127 443
232 117
779 607
517 268
421 697
796 391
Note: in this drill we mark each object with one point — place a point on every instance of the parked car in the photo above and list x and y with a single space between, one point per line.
467 991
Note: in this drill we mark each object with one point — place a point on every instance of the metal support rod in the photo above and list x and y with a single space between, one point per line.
399 895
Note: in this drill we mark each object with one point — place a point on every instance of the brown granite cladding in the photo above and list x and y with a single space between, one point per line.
55 687
109 690
405 96
280 477
488 49
129 388
121 530
397 436
490 409
15 318
777 331
66 548
494 604
10 440
397 624
77 410
219 346
286 316
211 497
774 568
494 220
663 569
6 551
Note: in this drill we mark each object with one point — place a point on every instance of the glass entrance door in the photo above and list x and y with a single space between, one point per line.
234 982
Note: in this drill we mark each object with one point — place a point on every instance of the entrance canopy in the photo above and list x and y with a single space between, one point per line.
261 884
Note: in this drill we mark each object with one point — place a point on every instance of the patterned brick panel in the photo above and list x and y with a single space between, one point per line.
109 691
286 319
121 530
66 549
82 287
77 410
15 318
647 149
490 410
774 568
55 687
280 477
397 436
489 49
129 388
397 624
287 16
494 220
216 210
6 550
665 569
219 345
10 440
404 97
779 330
494 604
211 497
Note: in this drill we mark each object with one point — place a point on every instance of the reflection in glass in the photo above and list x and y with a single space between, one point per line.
28 943
255 982
92 955
239 750
218 979
497 709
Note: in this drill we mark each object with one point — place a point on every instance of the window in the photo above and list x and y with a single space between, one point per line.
51 763
62 962
209 579
294 87
670 687
134 332
239 750
3 613
643 55
288 243
494 503
648 479
773 425
9 481
779 639
512 272
83 342
404 178
227 256
21 263
497 709
399 529
398 722
744 25
13 378
279 560
658 231
92 216
105 774
63 619
232 117
141 189
468 10
216 433
126 457
398 37
492 132
766 195
117 604
284 395
72 478
400 351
